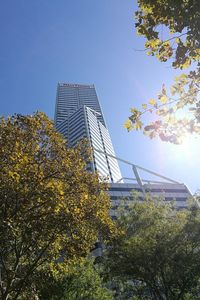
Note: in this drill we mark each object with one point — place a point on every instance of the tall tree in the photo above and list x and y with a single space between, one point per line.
172 32
51 208
158 253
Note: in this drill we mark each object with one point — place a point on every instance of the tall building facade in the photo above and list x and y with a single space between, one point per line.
78 115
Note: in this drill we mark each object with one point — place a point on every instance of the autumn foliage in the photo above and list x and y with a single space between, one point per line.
51 209
172 32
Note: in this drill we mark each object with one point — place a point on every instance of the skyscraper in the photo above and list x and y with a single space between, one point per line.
78 115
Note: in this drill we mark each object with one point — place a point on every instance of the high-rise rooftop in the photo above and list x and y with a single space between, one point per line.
70 97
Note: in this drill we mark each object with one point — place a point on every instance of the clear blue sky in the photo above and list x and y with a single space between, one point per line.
88 41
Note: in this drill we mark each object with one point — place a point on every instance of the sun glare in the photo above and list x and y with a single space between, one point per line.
188 151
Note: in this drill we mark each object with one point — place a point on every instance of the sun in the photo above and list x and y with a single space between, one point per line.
187 151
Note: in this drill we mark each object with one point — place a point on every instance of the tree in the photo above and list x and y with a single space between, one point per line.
158 253
172 30
51 208
82 282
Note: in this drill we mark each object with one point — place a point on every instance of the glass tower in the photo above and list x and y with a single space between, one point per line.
78 115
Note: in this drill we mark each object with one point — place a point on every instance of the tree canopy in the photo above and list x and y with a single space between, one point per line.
158 253
51 209
172 32
83 282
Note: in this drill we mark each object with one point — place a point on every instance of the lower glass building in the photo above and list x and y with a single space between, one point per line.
122 195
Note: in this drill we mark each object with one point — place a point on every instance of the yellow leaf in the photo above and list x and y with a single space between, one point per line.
138 125
186 64
166 44
163 99
134 110
144 106
158 55
128 125
183 76
172 31
152 102
172 90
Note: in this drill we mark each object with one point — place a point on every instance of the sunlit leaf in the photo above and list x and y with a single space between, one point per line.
128 125
152 102
144 106
163 99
